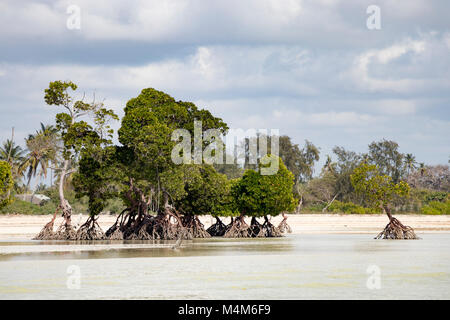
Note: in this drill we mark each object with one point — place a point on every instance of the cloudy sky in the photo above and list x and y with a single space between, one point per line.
310 68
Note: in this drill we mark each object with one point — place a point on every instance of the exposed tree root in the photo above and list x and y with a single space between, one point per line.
90 230
238 228
115 234
256 229
135 225
65 232
47 232
194 227
270 231
218 229
283 227
396 230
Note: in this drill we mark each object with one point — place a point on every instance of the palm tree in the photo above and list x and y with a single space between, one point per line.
42 150
422 168
11 153
410 163
329 166
14 155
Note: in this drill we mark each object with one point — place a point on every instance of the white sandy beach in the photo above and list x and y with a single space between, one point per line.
26 226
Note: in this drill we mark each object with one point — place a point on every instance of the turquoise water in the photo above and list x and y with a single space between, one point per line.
321 266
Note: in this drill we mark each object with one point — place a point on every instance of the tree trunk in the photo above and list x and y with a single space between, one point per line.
395 229
63 203
299 206
388 212
329 203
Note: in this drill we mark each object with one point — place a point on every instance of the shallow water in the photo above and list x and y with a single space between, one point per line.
325 266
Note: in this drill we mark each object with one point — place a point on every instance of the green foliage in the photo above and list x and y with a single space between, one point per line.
205 192
436 208
146 131
389 161
347 161
351 208
340 207
57 94
25 207
436 196
43 147
314 207
79 135
6 183
97 178
15 156
91 142
379 191
260 195
232 170
300 161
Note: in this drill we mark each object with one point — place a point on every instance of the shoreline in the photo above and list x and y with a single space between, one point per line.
27 226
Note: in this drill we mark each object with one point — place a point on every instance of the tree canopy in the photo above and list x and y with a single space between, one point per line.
146 131
377 189
6 183
261 195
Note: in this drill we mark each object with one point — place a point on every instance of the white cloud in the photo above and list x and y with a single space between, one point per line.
388 54
314 62
390 81
395 106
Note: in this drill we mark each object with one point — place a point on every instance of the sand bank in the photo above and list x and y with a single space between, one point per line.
26 226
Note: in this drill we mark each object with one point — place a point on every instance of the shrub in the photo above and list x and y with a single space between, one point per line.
351 208
316 207
25 207
436 196
436 208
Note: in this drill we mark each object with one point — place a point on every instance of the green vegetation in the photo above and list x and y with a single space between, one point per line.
156 198
25 207
6 183
257 195
379 191
436 208
71 138
351 208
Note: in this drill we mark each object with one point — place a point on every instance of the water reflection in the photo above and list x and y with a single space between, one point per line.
48 250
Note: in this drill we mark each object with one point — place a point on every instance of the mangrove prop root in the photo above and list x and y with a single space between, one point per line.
114 234
133 224
238 228
218 229
270 231
396 230
256 229
90 230
194 227
65 232
283 227
115 231
168 226
47 232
